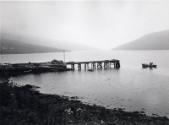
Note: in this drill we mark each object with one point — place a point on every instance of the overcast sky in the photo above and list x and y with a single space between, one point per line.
98 23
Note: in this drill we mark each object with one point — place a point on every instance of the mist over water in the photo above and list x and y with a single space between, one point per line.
131 87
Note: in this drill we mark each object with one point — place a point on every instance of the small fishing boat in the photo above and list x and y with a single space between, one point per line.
150 65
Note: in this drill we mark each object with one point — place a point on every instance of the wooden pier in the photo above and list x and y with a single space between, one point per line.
102 64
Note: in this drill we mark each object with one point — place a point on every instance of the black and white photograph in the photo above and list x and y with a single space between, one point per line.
84 62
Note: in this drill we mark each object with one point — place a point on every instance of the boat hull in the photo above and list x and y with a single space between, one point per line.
148 66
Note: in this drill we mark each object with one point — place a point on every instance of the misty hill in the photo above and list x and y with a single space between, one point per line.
16 47
14 44
153 41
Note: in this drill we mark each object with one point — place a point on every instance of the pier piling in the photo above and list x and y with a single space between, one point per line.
79 66
72 66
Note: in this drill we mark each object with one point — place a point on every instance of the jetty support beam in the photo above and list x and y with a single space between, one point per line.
117 64
99 65
93 65
72 66
79 66
86 66
106 65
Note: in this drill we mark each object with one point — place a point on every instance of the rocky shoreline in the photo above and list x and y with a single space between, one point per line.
24 105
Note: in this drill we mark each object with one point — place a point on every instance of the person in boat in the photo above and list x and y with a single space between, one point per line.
150 65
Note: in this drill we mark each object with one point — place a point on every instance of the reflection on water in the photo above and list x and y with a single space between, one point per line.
131 87
125 88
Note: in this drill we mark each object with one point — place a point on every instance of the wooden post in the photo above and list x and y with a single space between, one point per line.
117 64
79 66
99 65
93 65
114 63
73 66
84 66
64 55
106 65
110 64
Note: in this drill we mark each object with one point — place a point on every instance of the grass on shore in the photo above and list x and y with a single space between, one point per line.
24 105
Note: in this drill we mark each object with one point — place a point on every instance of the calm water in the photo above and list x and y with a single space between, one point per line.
131 87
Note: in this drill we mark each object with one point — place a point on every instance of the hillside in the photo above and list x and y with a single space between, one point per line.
18 44
153 41
18 47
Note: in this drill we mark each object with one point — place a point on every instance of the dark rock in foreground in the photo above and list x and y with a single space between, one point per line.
24 105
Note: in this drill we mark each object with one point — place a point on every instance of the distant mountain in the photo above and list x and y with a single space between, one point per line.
153 41
11 44
15 47
14 44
